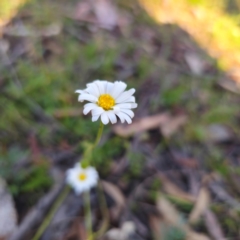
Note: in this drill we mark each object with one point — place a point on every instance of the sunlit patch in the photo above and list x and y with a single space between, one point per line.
106 101
8 9
82 176
208 23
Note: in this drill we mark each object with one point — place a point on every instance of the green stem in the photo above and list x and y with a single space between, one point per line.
88 214
105 213
52 212
88 152
65 192
99 134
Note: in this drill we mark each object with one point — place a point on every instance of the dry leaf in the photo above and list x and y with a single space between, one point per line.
141 125
83 11
122 233
229 85
4 46
8 215
191 235
155 223
169 213
173 190
168 128
186 162
117 195
20 30
223 195
106 13
195 63
201 205
77 230
168 125
171 216
51 30
213 225
219 133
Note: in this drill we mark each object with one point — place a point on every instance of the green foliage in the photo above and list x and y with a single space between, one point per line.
154 189
156 184
174 95
8 159
229 218
27 180
136 163
220 167
174 233
104 155
31 180
231 224
181 204
36 179
195 132
221 113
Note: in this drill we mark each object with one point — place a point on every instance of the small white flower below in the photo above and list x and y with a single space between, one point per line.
81 179
108 100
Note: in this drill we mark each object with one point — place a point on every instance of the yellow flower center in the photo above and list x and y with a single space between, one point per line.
106 101
82 176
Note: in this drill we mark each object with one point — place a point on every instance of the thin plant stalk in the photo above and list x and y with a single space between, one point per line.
88 152
88 214
52 212
65 192
87 198
105 213
99 135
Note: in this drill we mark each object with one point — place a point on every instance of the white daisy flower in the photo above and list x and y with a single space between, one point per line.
108 101
81 179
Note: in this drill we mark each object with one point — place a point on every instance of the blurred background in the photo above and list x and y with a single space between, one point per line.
174 174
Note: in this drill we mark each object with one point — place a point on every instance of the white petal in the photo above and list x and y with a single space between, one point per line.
81 186
109 86
93 90
124 105
116 109
90 84
112 116
134 105
95 87
121 116
126 117
128 112
97 111
91 171
87 97
104 118
118 88
127 94
129 100
101 86
77 167
88 107
80 91
95 117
